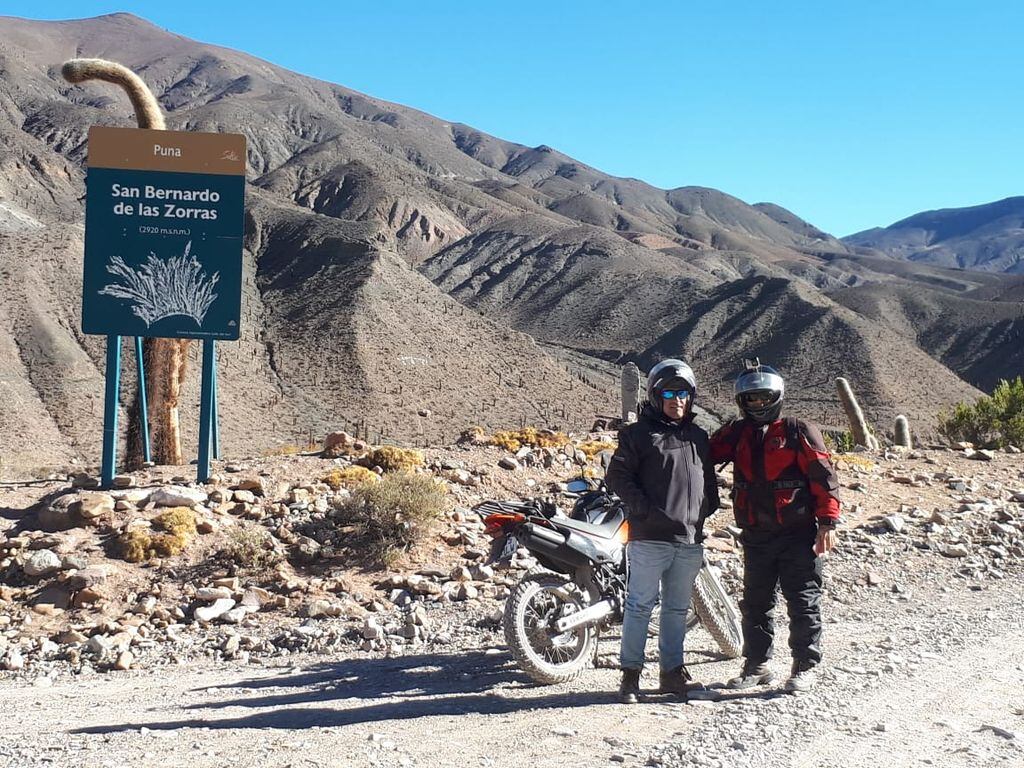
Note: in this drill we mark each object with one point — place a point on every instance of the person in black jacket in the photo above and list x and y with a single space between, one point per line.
662 470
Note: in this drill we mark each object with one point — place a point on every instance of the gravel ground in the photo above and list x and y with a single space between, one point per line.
930 674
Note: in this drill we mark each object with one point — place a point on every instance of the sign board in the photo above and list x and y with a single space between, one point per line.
163 233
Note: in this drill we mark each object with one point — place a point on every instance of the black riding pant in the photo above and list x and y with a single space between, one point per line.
785 560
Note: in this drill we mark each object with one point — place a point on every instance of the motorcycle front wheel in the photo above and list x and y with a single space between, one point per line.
717 613
547 656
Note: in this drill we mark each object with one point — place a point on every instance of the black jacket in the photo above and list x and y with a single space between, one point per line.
663 472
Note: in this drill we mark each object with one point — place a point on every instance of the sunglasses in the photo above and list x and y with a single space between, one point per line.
678 394
758 397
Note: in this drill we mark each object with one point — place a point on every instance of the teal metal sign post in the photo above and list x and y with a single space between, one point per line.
163 256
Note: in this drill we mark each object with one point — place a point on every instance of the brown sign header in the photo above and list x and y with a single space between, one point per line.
141 149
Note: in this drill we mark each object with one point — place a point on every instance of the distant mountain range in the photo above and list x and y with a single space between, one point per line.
988 237
408 277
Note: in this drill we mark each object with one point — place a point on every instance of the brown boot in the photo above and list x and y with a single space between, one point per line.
676 681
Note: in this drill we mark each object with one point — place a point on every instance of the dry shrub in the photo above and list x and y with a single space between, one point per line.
591 448
474 435
513 440
395 513
391 458
176 527
178 521
251 548
282 450
350 477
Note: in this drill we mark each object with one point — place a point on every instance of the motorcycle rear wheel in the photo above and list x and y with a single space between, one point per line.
548 657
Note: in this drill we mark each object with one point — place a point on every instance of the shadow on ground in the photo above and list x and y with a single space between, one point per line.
351 692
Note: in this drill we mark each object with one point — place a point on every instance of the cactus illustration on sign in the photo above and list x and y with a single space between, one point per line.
161 288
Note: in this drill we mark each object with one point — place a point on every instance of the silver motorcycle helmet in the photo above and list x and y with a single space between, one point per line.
669 374
763 380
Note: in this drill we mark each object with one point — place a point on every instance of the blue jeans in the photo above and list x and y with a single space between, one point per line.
673 567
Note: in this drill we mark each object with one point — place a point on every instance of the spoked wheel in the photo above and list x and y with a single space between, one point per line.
717 613
545 654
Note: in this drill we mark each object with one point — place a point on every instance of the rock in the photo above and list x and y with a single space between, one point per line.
319 608
235 615
371 629
41 563
13 661
123 481
211 594
87 577
93 505
255 598
208 613
339 444
245 497
124 660
894 523
59 515
99 645
83 480
507 462
955 550
73 562
177 496
88 596
980 455
1002 732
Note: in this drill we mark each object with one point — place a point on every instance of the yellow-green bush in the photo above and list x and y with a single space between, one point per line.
176 527
391 458
513 440
395 513
350 477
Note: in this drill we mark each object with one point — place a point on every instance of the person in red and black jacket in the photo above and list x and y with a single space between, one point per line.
786 501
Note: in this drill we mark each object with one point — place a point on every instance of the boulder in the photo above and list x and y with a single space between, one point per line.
177 496
215 610
42 563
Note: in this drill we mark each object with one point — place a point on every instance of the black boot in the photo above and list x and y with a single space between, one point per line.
753 673
629 688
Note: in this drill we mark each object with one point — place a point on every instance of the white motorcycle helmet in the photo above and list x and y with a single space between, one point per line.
670 374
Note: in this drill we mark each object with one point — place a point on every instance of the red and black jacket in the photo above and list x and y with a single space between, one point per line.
783 474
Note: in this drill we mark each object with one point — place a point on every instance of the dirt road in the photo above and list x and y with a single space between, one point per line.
909 681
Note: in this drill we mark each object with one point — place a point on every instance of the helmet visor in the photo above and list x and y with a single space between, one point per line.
759 398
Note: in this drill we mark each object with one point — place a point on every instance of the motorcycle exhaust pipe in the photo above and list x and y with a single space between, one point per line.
590 615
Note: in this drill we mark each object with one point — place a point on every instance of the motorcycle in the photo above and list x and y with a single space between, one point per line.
554 615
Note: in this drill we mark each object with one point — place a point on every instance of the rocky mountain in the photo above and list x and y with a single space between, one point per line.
406 277
988 237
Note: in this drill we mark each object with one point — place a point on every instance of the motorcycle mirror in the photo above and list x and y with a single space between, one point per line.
577 486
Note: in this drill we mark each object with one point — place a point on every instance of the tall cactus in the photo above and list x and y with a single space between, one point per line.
901 432
165 358
858 426
630 392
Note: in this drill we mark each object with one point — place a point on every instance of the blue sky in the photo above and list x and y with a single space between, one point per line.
851 115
